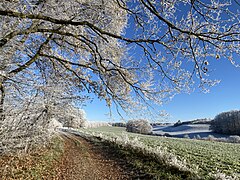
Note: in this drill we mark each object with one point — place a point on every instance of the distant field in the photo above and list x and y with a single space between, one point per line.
210 157
192 130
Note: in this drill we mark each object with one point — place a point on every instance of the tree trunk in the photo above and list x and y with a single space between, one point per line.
2 97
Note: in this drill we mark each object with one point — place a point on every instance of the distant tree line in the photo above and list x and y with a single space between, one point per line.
119 124
227 123
196 121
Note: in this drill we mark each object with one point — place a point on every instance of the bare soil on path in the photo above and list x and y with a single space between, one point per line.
83 160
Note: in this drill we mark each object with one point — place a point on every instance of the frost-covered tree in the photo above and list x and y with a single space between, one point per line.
86 42
227 123
74 118
139 126
34 110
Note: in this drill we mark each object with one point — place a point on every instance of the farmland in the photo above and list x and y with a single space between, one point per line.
206 158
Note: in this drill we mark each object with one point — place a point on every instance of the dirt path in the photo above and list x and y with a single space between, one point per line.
83 160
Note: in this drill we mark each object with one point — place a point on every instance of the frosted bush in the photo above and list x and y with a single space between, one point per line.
24 132
139 126
32 126
234 139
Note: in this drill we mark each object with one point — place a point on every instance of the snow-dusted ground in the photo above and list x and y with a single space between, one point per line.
191 130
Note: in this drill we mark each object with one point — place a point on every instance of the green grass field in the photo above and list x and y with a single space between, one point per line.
210 157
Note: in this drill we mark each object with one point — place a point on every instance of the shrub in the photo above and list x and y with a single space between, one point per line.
139 126
234 139
227 123
25 131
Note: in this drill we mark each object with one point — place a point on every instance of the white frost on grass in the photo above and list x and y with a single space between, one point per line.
222 176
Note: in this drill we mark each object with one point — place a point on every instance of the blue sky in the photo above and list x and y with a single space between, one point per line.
223 97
